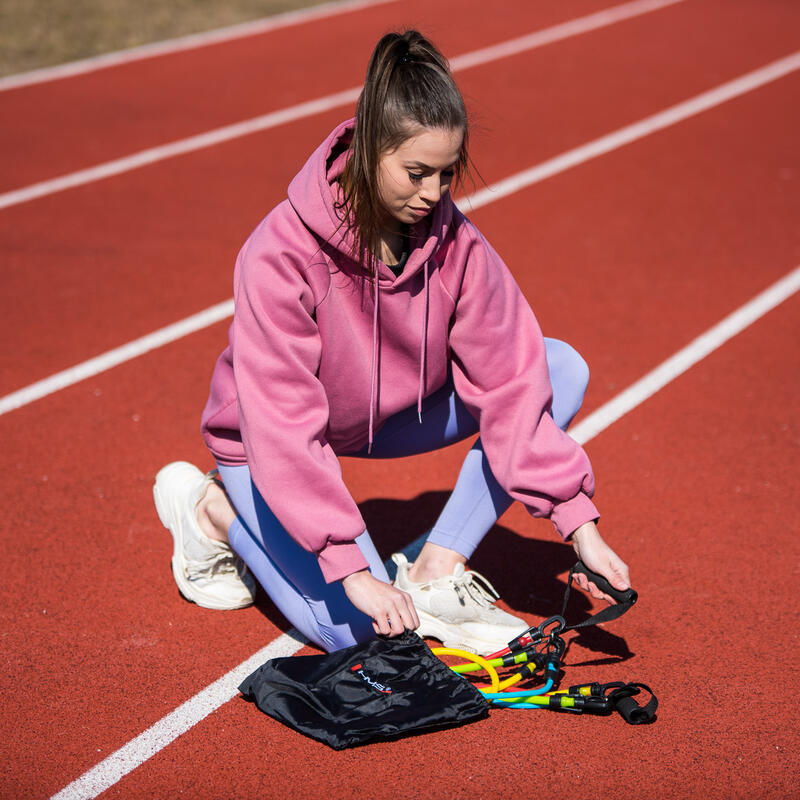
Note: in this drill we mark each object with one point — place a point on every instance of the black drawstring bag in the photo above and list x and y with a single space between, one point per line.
380 689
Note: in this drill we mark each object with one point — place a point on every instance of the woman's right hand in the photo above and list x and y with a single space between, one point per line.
599 557
392 610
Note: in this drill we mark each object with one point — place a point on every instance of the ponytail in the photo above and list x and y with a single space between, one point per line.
408 86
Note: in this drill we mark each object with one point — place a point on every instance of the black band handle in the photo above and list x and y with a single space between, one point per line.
623 597
623 700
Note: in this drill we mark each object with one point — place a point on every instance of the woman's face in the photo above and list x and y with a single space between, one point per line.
413 178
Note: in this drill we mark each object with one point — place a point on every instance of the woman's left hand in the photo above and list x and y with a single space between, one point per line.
598 557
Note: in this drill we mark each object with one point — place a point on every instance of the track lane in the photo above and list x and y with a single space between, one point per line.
180 240
230 132
96 638
696 220
490 194
118 111
165 390
689 476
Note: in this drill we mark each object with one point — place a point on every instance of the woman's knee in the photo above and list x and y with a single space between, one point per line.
569 377
321 612
337 635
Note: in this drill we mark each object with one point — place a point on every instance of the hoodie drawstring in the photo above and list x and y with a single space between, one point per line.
422 355
374 363
422 346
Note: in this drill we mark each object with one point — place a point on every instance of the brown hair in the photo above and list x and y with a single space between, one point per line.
408 85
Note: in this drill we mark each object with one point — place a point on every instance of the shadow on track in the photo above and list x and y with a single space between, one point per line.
525 571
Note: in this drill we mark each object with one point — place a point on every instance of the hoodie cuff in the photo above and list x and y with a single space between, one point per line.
571 514
337 560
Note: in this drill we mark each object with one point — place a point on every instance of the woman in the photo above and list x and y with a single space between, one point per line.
372 319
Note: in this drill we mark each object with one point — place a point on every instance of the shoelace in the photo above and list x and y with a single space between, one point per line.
483 593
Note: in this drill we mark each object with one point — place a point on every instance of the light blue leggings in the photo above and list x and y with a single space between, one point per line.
291 575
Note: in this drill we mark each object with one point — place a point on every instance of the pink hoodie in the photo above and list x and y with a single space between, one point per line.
313 364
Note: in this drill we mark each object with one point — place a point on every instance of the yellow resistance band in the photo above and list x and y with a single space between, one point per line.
490 670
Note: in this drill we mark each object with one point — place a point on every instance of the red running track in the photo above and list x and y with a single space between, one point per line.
628 257
177 225
114 112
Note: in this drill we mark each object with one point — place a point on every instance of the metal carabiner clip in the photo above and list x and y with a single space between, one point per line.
558 622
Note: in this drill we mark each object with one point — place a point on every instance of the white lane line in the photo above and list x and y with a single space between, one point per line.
181 147
690 355
189 42
118 355
168 728
557 33
483 197
302 110
162 733
638 130
116 766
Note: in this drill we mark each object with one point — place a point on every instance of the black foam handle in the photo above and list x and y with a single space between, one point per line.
626 596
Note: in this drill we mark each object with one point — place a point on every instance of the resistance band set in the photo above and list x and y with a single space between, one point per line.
394 686
537 655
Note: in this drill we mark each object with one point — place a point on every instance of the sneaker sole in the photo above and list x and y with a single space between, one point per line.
451 636
169 516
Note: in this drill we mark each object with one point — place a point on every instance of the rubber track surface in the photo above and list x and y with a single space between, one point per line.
628 257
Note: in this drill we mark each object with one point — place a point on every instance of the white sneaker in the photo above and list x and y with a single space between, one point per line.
207 572
459 611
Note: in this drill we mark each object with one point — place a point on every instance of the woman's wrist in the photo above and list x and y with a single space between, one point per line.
587 530
355 577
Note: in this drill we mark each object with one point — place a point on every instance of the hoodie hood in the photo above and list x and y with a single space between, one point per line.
315 190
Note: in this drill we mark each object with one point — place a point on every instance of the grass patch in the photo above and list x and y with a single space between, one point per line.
41 33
